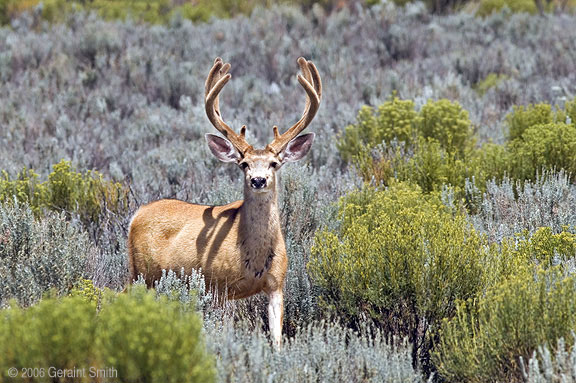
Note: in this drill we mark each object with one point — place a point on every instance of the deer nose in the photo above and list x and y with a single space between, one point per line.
258 182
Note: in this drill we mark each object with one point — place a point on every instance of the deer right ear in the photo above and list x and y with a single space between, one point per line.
297 148
222 148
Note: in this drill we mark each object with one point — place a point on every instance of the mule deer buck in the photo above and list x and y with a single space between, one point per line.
239 247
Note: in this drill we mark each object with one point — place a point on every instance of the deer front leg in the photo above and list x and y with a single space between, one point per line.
276 316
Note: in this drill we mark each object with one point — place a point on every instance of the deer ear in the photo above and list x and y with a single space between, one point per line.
222 148
297 148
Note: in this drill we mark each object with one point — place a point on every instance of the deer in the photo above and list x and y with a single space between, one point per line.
239 247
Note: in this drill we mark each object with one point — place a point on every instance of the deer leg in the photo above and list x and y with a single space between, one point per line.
276 315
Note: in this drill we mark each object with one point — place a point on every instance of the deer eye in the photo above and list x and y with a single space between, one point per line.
274 164
243 165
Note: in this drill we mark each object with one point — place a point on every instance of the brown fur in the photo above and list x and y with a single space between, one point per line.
237 254
239 247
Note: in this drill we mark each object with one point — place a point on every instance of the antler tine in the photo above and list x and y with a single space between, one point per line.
217 78
312 84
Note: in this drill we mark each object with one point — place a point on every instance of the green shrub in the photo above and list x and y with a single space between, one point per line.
432 166
442 120
361 136
487 337
194 13
25 188
66 190
439 145
520 253
487 7
446 122
434 143
142 338
568 112
550 146
85 288
548 249
394 119
489 82
375 166
152 340
521 309
523 118
488 162
149 11
55 333
400 257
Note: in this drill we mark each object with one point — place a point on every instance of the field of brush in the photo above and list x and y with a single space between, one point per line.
431 230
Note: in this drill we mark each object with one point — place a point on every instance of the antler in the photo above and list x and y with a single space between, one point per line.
312 84
217 78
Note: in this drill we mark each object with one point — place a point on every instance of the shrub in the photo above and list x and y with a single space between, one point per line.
545 248
568 114
558 365
66 190
443 121
376 166
428 148
400 257
85 288
149 11
38 255
141 338
432 166
486 338
489 162
448 123
549 146
443 153
55 333
150 340
393 119
523 118
487 7
318 352
510 206
489 82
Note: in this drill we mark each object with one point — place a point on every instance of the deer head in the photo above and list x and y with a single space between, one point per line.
260 165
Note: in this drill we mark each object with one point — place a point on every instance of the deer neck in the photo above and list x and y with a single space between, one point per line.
260 211
260 230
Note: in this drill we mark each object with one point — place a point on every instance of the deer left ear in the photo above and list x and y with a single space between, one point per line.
222 148
297 148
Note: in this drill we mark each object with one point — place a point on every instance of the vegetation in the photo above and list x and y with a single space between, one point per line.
36 256
448 140
402 259
86 194
165 11
487 338
134 337
149 11
435 147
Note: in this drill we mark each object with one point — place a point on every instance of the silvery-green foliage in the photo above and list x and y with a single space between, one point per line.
188 289
510 207
126 99
108 266
38 255
548 366
318 352
306 204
